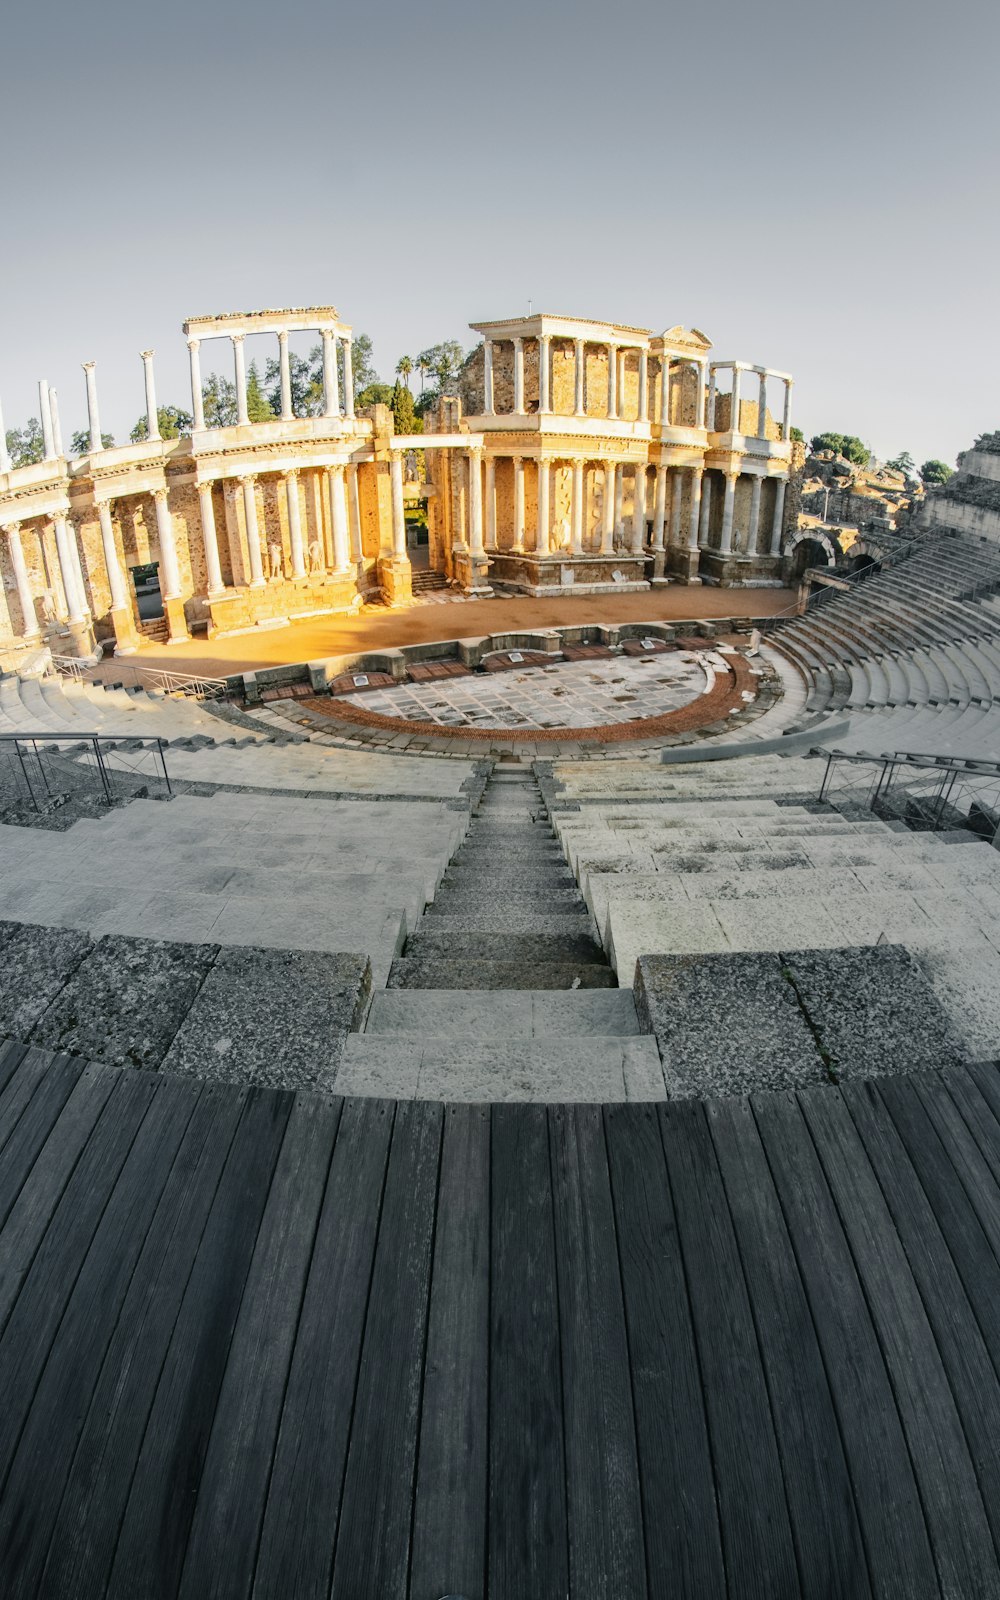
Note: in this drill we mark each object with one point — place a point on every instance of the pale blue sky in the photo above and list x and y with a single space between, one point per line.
814 186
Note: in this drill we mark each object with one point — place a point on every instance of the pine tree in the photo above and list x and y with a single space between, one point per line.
259 407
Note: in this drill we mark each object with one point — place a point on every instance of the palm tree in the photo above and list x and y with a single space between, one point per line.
423 369
404 366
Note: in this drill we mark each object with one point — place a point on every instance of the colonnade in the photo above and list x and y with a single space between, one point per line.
617 354
334 405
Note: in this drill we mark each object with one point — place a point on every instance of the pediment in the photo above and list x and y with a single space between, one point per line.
683 338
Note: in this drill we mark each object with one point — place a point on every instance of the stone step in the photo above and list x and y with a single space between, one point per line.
521 876
562 897
586 1069
430 942
486 1014
499 919
440 972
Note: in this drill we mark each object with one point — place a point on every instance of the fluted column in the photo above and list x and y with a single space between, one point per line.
608 521
294 509
348 381
705 520
398 516
491 503
779 510
576 526
331 396
45 412
519 376
338 518
756 484
612 380
710 418
786 420
639 511
93 415
170 584
643 386
488 405
354 509
762 405
660 508
475 470
542 538
67 568
544 360
734 416
29 617
726 541
248 483
579 369
676 497
665 390
696 479
699 410
57 438
240 369
619 498
197 398
210 539
116 577
152 415
285 369
518 503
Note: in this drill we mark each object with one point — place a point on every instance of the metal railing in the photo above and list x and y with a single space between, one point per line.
44 769
141 677
932 792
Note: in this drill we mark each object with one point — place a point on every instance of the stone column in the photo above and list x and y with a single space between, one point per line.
786 421
734 414
726 541
197 398
348 381
619 497
491 503
474 463
240 366
248 484
5 461
699 410
398 516
675 509
608 522
285 368
710 419
76 604
542 543
152 416
93 415
518 503
29 617
665 391
705 520
579 409
576 526
639 512
756 484
519 376
612 380
45 413
488 378
338 519
170 585
354 509
544 358
57 438
779 510
295 524
643 386
697 474
209 538
660 508
331 396
762 405
116 577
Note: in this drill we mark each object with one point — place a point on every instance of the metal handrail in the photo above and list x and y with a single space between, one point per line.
156 677
71 741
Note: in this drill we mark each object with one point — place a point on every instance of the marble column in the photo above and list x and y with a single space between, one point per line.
331 396
542 543
338 518
72 588
285 369
45 412
643 386
705 520
152 415
240 368
786 420
29 616
576 525
93 415
519 376
726 540
294 509
756 484
170 577
116 577
611 473
699 410
639 511
619 497
612 380
579 407
348 382
660 507
734 411
248 484
474 462
544 385
197 398
488 404
676 498
210 539
780 484
518 503
665 391
398 515
491 503
762 406
710 418
354 510
57 438
697 475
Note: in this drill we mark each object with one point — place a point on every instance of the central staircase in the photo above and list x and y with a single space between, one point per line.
502 991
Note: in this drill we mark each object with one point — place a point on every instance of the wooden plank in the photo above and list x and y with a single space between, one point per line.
885 1493
953 1508
45 1451
238 1464
295 1557
93 1504
31 1106
606 1548
449 1519
964 1352
967 1130
825 1525
527 1551
12 1053
161 1503
986 1076
39 1307
974 1091
753 1511
373 1539
683 1541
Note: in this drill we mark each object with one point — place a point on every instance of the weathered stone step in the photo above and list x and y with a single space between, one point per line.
569 1069
459 972
523 875
438 943
560 896
497 919
486 1014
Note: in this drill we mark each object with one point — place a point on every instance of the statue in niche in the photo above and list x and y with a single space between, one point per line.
564 536
48 607
315 556
274 556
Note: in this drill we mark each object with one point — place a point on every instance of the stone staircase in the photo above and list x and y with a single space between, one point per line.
502 992
428 582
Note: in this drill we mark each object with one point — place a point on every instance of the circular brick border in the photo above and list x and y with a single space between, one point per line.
726 695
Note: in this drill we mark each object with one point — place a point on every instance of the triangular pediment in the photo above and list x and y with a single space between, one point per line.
682 338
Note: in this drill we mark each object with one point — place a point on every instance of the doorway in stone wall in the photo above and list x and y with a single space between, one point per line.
146 584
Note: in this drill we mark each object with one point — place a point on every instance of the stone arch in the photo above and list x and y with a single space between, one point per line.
814 536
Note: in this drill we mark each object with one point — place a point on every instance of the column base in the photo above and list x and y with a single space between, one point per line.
126 633
683 566
395 578
177 630
472 572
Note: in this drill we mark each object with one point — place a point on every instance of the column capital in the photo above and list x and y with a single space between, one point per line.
290 472
194 344
208 482
10 528
282 335
237 338
160 494
147 355
517 340
88 366
579 461
517 460
244 478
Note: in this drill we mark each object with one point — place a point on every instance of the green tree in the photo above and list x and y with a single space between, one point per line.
259 408
903 463
404 366
404 416
847 445
218 399
305 383
362 365
934 472
798 437
374 394
444 361
80 442
26 445
172 421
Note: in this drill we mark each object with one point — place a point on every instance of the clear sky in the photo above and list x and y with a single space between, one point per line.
814 186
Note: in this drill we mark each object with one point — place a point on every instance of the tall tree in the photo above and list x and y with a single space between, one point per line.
218 397
404 416
934 472
80 442
847 445
172 422
26 445
903 463
259 408
404 366
305 382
